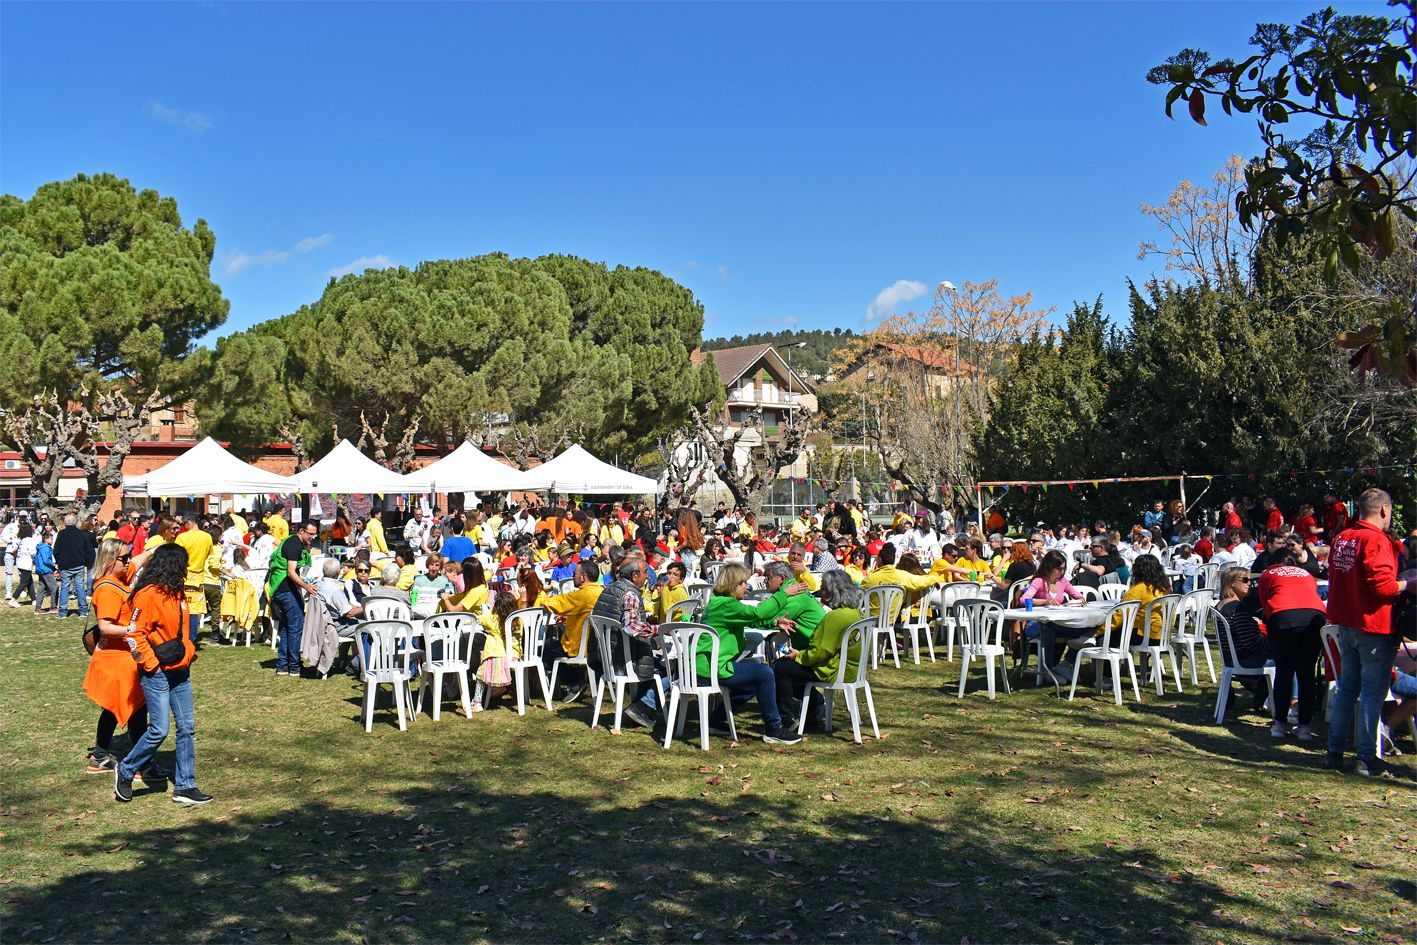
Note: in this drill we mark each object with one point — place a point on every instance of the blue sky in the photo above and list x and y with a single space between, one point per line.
788 163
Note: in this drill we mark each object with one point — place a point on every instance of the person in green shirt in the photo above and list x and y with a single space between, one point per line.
728 617
804 610
819 660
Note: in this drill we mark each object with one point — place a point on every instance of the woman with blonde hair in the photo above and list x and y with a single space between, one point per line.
728 617
112 677
1246 630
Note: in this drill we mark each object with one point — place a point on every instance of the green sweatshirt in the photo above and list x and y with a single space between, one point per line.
727 616
823 653
805 609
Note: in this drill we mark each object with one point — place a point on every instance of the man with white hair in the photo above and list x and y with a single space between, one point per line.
344 612
388 584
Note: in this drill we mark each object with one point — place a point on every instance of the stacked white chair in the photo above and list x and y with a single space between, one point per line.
1157 650
1191 624
854 640
388 661
1232 667
1114 650
446 635
981 627
684 682
528 625
613 674
883 602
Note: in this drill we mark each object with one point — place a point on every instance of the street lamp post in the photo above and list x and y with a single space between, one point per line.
791 482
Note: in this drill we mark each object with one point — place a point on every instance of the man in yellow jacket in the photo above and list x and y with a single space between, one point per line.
280 528
198 545
378 546
573 608
887 573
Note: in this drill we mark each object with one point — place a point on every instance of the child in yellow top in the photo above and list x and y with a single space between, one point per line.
1148 583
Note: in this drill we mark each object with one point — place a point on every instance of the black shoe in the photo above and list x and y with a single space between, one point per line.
782 735
1372 769
122 787
101 762
1334 762
571 694
190 796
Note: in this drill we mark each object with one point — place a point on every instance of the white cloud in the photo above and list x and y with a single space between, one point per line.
886 301
359 265
722 273
240 262
192 121
311 243
790 321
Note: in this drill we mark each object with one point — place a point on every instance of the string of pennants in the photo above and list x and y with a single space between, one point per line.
1072 484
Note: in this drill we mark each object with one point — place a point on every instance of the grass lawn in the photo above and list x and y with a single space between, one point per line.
1026 819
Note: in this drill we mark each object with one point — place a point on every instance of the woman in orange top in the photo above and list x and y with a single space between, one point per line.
112 677
156 614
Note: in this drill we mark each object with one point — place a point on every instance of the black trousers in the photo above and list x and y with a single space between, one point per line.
791 679
1295 644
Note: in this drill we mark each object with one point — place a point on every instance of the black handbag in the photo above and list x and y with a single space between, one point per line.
170 653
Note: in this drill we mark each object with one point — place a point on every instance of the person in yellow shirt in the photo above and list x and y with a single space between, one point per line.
198 545
887 573
473 598
494 675
276 522
857 515
971 565
1002 549
408 571
239 523
378 546
855 567
573 608
802 525
1148 583
797 561
671 590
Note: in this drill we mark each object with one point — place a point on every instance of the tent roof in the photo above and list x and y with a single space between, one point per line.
466 469
207 469
576 470
346 470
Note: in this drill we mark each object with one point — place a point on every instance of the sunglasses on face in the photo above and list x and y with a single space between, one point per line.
361 570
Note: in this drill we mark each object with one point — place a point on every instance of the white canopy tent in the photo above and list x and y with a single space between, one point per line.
207 469
578 471
466 469
346 470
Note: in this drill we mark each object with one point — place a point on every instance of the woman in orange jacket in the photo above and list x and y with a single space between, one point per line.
156 615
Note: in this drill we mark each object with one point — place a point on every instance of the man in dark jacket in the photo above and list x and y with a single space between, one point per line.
73 556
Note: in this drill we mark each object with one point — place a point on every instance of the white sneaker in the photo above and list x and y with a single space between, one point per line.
1279 730
13 603
1304 733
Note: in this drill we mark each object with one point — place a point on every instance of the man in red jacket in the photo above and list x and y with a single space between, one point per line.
1363 584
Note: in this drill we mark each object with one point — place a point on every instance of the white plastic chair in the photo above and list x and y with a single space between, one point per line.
1332 663
684 683
1191 624
386 608
1207 576
981 625
580 659
883 602
1232 667
1111 591
390 650
683 612
915 619
530 623
951 594
1114 650
1088 593
612 673
446 635
854 640
1157 650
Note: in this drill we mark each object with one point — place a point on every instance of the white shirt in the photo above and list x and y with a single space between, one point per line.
1223 558
24 558
415 533
1244 555
926 545
259 557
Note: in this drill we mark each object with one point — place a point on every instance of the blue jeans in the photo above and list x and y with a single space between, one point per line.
166 690
292 618
78 579
1365 673
753 679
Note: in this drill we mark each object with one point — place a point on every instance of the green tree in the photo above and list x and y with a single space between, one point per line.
532 354
103 296
1349 80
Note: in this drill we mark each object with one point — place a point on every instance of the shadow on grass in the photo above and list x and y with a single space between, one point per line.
453 862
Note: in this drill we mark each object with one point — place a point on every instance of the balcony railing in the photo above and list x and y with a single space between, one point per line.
776 398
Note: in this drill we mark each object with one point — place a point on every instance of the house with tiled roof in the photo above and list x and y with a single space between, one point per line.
759 376
940 365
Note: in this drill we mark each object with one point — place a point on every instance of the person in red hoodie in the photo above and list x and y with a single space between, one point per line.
1274 519
1335 516
1294 617
1363 584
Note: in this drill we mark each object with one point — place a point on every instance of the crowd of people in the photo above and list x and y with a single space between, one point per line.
152 581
